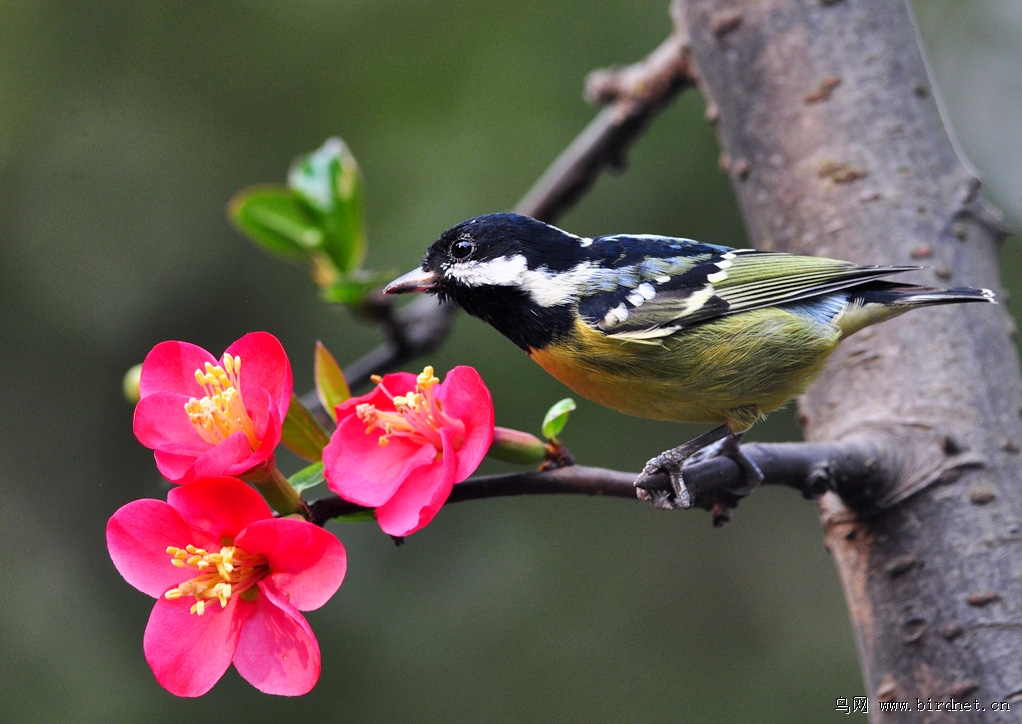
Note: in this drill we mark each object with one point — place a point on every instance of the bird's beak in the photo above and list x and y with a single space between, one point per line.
417 280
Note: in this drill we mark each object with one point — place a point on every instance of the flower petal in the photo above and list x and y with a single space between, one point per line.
161 421
264 365
175 468
170 366
420 497
222 506
464 396
307 563
396 383
361 470
138 536
261 410
277 652
189 653
266 424
233 456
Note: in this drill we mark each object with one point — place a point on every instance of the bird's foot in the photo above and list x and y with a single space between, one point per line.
672 494
649 486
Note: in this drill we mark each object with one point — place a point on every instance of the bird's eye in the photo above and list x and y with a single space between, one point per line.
462 249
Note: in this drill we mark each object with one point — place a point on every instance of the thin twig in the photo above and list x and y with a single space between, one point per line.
633 96
810 468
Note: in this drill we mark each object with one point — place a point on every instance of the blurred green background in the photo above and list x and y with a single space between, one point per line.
126 127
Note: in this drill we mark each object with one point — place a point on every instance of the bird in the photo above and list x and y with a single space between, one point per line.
665 328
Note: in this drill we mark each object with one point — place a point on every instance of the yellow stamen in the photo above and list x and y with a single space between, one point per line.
426 379
221 412
417 415
229 572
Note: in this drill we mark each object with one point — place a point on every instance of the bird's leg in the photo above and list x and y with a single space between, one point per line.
731 447
718 442
675 497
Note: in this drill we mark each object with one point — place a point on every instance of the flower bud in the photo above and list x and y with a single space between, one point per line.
130 385
514 446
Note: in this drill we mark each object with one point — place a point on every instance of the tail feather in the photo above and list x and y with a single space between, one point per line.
911 295
879 301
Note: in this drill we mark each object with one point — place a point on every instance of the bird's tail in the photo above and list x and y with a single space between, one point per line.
907 296
878 301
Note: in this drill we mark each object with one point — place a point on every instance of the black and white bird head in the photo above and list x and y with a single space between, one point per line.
533 282
518 274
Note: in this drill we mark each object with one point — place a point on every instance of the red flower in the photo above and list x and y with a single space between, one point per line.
230 580
205 418
401 448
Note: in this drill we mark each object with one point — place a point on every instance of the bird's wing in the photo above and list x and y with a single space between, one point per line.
716 285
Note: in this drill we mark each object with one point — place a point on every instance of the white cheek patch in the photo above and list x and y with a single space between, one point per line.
546 288
549 289
501 272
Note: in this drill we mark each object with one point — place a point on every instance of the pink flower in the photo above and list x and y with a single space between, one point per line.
230 580
205 418
401 448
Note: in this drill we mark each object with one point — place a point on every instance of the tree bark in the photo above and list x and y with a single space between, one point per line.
833 138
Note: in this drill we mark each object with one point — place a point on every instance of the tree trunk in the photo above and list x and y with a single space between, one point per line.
834 141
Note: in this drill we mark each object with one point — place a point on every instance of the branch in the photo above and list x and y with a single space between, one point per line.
633 96
810 468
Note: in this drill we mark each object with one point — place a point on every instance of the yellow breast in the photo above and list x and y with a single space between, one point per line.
730 370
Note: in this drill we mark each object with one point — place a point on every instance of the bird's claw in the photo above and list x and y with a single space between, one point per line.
649 485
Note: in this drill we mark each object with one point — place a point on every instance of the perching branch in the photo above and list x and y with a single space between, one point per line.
810 468
633 96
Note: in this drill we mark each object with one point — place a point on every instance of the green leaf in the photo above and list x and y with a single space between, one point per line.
362 516
331 387
301 433
276 218
329 182
308 477
557 417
